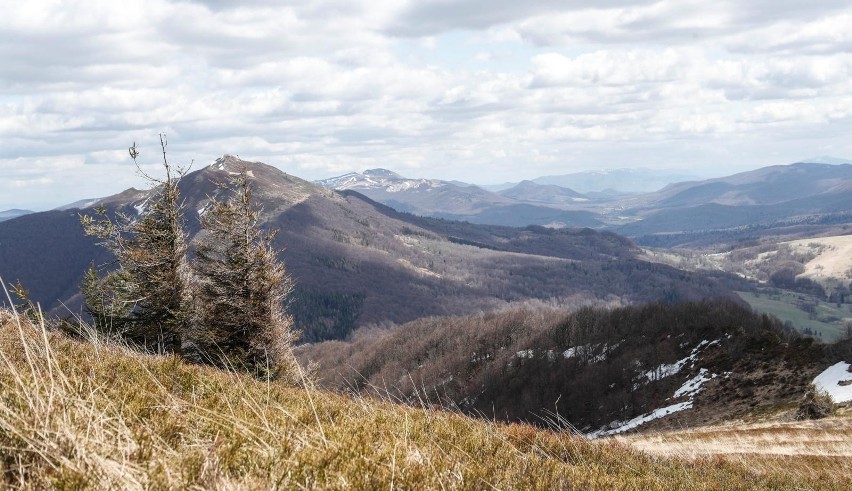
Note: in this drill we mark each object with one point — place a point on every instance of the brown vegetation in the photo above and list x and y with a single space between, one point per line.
590 367
77 415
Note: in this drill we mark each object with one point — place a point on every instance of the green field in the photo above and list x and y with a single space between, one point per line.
829 321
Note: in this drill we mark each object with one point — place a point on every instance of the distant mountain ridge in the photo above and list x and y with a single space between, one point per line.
547 194
13 213
609 181
443 199
633 180
772 198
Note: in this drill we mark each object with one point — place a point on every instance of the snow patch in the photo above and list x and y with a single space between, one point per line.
666 370
689 389
831 379
588 351
692 386
617 427
141 207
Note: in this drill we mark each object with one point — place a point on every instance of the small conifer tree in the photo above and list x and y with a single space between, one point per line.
242 289
146 299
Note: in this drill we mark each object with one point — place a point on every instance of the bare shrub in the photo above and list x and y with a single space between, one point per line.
816 404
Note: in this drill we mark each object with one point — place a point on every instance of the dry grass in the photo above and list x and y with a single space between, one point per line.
833 257
77 415
803 448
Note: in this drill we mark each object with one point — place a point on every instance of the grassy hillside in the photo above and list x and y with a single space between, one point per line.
809 448
825 321
76 415
829 439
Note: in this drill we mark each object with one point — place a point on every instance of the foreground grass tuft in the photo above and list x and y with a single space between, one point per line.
79 415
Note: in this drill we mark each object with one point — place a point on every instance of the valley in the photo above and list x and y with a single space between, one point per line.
825 321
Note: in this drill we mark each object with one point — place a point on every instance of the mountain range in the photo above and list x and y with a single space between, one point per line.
774 198
408 294
779 199
357 261
525 204
609 181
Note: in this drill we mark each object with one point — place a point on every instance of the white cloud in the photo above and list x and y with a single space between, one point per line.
470 89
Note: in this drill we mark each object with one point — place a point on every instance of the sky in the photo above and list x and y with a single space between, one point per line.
482 91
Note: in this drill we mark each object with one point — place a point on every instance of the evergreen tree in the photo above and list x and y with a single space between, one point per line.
242 290
146 299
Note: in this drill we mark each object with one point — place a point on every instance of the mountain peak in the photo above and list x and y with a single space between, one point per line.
534 192
382 173
369 179
230 162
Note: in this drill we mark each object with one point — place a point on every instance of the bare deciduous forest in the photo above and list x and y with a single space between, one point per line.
591 366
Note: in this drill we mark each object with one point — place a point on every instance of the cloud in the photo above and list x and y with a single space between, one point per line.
472 90
430 17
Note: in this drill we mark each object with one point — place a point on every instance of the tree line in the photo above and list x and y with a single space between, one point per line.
223 305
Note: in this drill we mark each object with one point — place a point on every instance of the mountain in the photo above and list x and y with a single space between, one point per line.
637 180
546 194
420 196
13 213
771 197
790 201
825 159
764 186
358 262
435 198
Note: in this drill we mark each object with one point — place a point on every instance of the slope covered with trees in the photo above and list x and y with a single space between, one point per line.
592 366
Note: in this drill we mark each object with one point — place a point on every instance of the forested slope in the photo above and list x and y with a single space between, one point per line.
593 366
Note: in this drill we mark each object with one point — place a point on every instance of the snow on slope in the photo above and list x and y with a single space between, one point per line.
689 389
378 179
836 380
667 370
693 385
640 420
